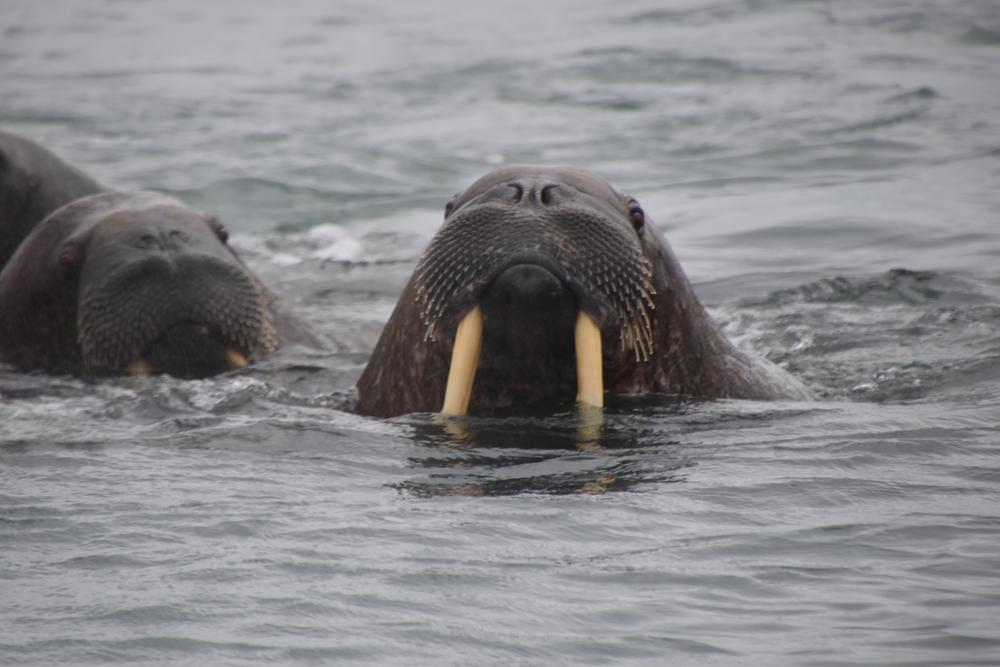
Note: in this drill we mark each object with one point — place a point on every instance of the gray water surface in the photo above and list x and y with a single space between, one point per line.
827 172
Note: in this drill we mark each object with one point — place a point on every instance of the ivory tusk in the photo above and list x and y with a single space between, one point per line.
589 372
140 367
464 360
235 358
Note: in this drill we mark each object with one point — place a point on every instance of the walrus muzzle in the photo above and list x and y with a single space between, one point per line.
599 260
195 316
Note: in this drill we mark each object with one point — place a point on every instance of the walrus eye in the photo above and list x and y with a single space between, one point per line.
448 208
69 262
636 215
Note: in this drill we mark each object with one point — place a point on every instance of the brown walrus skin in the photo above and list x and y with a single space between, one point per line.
533 247
33 184
135 282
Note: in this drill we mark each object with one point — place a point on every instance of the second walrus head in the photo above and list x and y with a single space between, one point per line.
132 283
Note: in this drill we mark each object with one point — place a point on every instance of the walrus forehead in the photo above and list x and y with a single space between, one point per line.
128 236
111 212
603 195
129 218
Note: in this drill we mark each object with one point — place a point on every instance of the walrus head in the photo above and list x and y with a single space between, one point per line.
545 284
132 282
545 262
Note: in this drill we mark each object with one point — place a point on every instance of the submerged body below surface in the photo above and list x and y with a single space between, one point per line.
547 285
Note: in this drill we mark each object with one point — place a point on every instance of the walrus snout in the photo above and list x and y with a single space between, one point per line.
160 293
529 287
188 315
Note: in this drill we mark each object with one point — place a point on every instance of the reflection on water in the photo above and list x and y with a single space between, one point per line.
630 443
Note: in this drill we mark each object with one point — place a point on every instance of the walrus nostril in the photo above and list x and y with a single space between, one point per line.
545 196
518 191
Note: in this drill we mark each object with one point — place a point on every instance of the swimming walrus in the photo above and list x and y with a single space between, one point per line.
33 183
135 283
546 284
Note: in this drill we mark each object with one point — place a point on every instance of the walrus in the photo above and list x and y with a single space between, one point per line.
545 285
135 282
33 184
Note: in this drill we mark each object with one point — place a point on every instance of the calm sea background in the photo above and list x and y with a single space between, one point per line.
828 174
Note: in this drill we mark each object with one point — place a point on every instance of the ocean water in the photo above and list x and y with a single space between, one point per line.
828 174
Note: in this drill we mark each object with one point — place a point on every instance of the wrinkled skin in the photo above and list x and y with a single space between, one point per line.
33 184
119 281
532 247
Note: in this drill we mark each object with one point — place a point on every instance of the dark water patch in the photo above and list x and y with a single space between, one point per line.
906 60
894 286
319 87
905 21
587 98
921 94
152 648
21 29
619 65
879 122
982 35
700 15
102 562
33 116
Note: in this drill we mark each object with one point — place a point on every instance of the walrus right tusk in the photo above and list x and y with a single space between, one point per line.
235 358
464 360
589 371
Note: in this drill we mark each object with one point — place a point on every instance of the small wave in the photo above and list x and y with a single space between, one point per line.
623 64
894 286
879 122
695 16
923 93
900 335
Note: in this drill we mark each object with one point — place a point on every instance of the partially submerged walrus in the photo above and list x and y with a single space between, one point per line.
33 184
96 282
546 284
135 283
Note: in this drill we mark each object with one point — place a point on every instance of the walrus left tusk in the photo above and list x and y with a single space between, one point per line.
464 359
589 372
140 367
235 358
